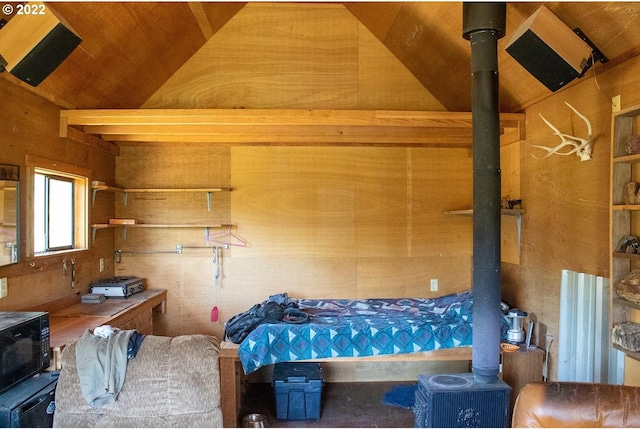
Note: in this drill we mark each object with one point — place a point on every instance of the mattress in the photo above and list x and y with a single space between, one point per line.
370 327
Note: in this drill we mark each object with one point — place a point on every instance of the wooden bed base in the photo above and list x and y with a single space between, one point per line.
231 373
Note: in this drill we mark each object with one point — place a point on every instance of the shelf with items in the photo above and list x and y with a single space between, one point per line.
199 223
625 214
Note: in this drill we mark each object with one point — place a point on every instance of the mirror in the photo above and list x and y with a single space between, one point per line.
9 214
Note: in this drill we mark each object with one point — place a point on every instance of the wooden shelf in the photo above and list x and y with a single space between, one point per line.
97 226
621 207
142 190
106 188
126 191
517 213
625 303
469 212
634 355
624 169
623 255
158 225
627 159
98 188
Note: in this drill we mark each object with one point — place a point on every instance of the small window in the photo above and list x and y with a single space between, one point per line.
59 210
54 215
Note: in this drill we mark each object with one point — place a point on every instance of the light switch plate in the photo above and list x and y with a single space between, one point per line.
3 287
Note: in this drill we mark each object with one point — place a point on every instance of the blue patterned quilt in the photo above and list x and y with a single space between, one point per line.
370 327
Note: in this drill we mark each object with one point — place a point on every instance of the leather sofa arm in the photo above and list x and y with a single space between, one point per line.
570 404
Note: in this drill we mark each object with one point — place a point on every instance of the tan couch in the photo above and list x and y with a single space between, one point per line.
172 382
569 404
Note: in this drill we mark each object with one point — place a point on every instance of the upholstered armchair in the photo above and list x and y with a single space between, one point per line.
172 382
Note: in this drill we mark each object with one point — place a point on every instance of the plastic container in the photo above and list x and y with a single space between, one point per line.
298 389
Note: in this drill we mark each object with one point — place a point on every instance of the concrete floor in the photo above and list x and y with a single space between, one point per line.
344 405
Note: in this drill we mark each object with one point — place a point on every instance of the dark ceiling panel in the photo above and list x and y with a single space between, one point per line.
128 50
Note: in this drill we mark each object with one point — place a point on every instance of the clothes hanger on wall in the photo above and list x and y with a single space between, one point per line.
226 238
216 282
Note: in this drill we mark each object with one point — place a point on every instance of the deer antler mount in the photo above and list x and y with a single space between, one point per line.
580 146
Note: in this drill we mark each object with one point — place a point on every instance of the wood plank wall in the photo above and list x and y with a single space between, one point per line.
29 126
320 222
566 225
285 197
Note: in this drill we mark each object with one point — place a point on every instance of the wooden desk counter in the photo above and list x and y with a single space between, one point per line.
134 312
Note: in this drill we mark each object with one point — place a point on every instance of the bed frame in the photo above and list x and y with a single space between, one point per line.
232 374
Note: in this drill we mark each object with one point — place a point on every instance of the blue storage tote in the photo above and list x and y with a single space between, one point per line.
298 388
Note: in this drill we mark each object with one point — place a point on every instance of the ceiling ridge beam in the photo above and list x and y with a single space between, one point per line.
285 126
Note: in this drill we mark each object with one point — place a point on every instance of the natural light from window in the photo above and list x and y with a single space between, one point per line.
53 213
57 200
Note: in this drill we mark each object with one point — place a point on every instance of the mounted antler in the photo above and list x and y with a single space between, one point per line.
581 147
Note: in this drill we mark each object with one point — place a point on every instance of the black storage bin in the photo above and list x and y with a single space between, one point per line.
298 388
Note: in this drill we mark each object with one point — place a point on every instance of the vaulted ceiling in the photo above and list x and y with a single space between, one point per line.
130 49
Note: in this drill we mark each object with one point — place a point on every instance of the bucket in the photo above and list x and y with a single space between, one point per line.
254 421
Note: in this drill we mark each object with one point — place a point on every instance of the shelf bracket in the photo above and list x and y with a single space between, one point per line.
124 233
125 197
209 201
93 200
519 228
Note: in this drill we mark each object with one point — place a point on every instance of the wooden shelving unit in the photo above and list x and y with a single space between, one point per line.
125 191
625 216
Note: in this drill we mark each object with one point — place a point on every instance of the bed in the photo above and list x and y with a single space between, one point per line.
405 328
370 327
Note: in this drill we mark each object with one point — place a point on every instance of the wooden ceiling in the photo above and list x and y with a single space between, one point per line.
130 49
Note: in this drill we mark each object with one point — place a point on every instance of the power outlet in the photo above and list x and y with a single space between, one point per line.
101 264
3 287
434 285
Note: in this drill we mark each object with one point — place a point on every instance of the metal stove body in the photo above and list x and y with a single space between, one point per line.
118 287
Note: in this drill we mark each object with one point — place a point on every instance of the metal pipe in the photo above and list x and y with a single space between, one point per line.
483 25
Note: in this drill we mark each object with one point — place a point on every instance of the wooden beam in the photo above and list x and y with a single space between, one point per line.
285 127
201 18
90 140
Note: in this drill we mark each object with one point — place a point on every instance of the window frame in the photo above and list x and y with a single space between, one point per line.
81 178
47 201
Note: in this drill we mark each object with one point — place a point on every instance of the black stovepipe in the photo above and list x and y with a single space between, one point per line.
483 25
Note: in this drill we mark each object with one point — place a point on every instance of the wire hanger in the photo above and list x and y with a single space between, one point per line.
231 238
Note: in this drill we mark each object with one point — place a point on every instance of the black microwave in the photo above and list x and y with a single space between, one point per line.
24 346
